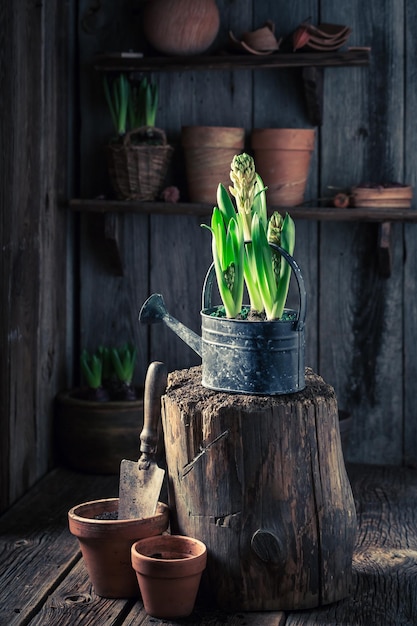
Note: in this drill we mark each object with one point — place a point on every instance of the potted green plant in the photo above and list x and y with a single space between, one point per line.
98 424
256 348
138 156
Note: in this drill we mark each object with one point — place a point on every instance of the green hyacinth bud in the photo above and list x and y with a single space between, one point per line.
243 177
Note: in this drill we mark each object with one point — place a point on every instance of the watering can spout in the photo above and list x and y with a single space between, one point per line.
154 311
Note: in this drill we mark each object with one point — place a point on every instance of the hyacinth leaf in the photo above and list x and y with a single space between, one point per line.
117 98
251 279
259 201
106 364
151 103
288 244
227 249
91 368
264 268
225 204
124 361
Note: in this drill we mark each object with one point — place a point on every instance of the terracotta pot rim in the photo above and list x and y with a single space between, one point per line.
148 565
89 527
302 139
219 137
67 397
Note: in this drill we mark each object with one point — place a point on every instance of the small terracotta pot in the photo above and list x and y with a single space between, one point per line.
397 196
282 159
169 569
105 544
209 151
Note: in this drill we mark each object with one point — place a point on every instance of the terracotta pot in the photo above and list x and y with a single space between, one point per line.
181 26
169 569
209 151
105 544
387 196
282 159
95 436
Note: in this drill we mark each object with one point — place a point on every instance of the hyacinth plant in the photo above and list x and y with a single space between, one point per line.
131 105
241 239
108 373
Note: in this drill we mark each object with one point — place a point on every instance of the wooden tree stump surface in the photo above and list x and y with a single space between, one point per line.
262 481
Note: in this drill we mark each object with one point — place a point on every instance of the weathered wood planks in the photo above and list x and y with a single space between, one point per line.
43 581
35 275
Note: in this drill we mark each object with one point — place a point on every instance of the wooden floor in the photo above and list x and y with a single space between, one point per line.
43 580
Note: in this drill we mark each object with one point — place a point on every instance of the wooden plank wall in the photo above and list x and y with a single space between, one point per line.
35 335
361 328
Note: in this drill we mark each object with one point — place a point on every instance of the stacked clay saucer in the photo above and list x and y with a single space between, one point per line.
323 38
259 41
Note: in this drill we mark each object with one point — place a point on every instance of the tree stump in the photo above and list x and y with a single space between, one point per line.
262 481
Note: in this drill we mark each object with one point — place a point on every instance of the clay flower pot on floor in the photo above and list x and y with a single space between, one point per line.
282 159
208 151
94 437
169 569
105 543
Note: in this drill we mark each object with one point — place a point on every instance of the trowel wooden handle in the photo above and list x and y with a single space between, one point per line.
155 385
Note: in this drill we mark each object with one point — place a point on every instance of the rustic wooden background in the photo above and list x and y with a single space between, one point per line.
37 48
361 327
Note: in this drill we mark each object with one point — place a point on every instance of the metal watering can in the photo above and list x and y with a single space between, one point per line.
240 356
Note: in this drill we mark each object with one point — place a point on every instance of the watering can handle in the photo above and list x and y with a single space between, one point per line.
211 274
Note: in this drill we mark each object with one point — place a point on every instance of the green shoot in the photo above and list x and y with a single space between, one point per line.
91 368
151 103
124 362
104 354
227 248
117 96
143 104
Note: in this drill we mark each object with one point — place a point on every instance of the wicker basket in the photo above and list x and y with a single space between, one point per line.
137 170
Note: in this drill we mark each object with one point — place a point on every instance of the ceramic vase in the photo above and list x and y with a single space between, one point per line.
181 27
282 159
105 543
169 569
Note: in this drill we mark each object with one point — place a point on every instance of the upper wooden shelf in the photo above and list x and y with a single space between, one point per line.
311 63
325 214
123 62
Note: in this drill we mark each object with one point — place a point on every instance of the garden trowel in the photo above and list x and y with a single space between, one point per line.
141 481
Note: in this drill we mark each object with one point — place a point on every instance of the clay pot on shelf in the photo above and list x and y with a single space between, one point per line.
282 159
169 569
386 195
181 27
94 437
105 543
208 152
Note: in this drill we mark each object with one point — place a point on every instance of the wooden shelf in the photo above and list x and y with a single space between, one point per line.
123 62
311 63
324 214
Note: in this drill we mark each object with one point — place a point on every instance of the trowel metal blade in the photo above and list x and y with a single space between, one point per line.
139 489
